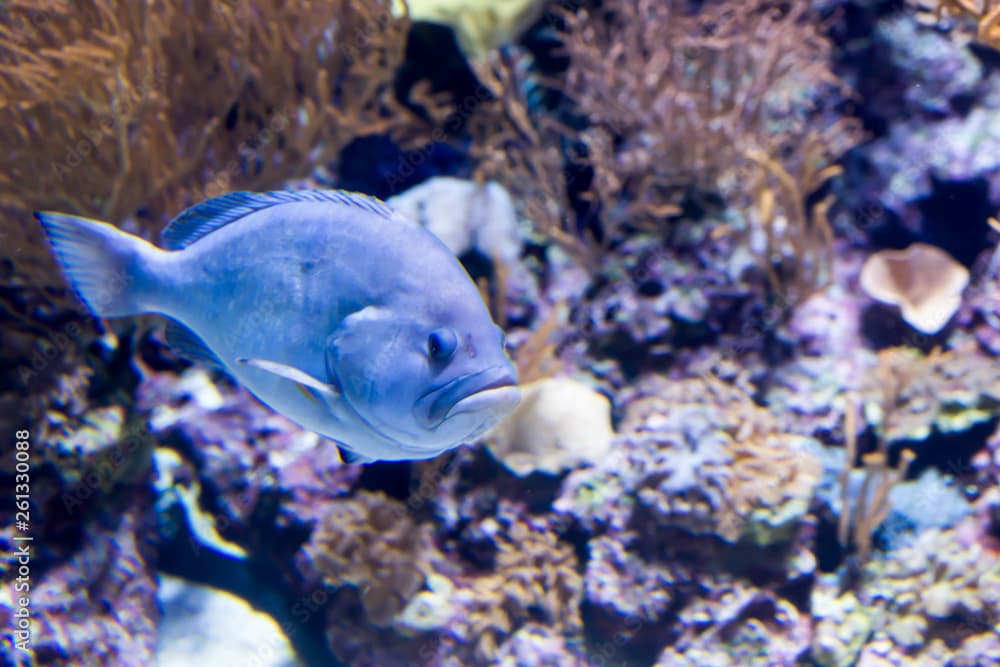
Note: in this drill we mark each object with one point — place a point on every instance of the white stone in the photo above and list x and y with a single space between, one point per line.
465 215
206 626
560 424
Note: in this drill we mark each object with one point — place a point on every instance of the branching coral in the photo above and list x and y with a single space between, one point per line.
681 97
113 106
674 103
861 515
524 151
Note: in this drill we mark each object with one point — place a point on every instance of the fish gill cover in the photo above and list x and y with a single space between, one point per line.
666 202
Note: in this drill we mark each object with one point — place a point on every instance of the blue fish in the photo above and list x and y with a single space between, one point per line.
329 306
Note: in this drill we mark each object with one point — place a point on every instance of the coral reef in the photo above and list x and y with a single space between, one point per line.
369 542
726 453
721 467
910 393
96 602
240 451
932 602
446 610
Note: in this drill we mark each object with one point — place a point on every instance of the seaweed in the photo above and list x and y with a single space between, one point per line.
671 109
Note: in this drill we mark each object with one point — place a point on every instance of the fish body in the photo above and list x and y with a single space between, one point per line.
331 308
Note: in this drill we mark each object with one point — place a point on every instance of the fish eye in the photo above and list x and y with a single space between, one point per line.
441 344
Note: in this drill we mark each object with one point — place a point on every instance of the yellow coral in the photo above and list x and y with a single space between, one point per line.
480 26
535 573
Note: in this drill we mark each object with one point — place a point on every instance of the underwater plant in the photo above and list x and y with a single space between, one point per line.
670 109
94 97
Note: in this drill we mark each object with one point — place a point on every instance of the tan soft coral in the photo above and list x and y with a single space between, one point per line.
678 102
910 393
110 106
535 580
370 542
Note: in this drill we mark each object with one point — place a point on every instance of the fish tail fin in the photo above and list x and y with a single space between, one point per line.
109 268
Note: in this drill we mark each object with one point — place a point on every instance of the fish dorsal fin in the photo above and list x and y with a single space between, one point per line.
190 345
202 219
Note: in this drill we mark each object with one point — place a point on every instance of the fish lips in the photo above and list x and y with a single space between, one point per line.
493 388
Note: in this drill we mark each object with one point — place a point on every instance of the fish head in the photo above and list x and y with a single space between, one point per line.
428 382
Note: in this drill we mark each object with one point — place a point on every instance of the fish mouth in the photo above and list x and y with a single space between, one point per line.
466 393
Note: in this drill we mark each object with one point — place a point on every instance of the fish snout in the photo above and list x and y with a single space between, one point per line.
493 389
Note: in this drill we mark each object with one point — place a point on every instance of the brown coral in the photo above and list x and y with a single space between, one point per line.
408 585
115 105
678 103
370 542
535 578
721 465
678 96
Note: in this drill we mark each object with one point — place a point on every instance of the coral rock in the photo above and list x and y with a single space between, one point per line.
560 423
465 215
98 605
933 602
370 542
479 26
699 455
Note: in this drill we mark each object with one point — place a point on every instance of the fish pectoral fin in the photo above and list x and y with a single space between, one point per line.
351 456
306 383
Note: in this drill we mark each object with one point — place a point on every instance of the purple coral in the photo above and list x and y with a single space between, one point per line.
98 604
